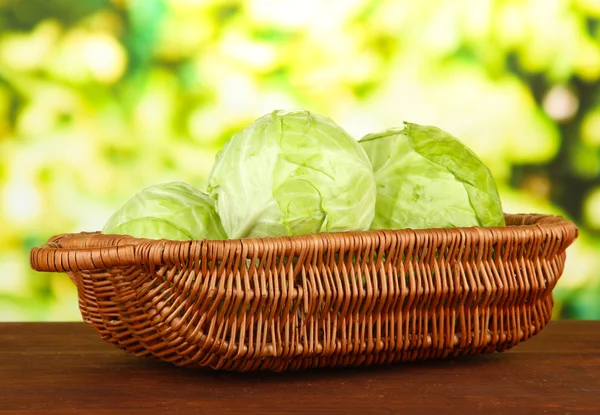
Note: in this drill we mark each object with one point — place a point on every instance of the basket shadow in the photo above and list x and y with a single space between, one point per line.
343 373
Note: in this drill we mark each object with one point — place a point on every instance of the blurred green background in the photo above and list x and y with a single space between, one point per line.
99 99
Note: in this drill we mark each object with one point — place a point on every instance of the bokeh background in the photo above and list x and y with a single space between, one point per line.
99 99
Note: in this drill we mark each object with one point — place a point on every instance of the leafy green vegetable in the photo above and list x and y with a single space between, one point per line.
426 178
171 210
292 173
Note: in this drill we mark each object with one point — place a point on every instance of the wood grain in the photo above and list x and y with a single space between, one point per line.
52 368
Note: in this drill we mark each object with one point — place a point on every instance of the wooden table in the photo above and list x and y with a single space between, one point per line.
52 368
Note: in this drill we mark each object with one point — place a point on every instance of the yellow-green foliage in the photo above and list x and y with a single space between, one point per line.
99 99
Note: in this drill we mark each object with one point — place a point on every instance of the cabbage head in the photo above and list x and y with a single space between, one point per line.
292 173
173 210
427 178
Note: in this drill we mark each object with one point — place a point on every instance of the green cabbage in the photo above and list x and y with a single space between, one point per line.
292 173
173 210
428 179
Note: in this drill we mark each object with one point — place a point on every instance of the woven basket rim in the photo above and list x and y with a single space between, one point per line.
94 250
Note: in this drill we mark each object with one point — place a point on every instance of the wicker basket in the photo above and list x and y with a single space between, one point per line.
323 300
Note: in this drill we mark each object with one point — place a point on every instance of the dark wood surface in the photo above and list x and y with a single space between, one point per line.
52 368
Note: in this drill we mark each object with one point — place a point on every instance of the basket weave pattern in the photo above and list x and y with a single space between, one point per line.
323 300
